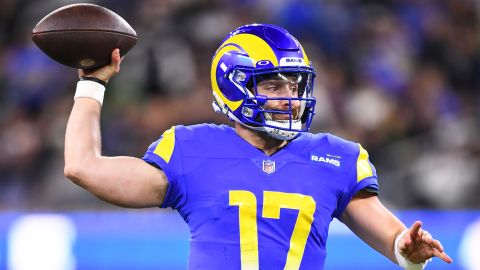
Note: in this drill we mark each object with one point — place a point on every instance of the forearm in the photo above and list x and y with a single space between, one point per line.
380 231
373 223
83 137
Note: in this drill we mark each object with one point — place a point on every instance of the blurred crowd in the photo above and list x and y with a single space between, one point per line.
401 77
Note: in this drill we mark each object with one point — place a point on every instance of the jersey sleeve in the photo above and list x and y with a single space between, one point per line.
165 154
362 176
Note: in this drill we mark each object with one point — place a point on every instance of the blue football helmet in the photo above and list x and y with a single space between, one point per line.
257 52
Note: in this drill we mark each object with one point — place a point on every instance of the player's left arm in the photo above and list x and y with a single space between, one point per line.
366 216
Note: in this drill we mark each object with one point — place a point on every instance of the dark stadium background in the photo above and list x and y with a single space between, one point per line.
402 77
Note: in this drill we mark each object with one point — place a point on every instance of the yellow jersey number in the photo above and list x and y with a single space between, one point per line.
272 203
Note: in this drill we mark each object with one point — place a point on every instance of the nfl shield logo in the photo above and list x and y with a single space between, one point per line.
268 166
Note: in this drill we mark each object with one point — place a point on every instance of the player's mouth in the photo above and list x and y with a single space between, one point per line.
285 116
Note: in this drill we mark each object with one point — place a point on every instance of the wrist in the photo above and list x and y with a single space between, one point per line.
90 89
404 262
94 79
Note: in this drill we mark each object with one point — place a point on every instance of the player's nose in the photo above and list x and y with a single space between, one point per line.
290 101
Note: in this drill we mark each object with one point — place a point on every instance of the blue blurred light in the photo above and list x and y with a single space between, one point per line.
159 240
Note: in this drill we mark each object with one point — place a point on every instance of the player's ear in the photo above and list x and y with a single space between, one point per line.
249 85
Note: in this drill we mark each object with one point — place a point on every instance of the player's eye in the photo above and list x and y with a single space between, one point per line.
272 88
293 87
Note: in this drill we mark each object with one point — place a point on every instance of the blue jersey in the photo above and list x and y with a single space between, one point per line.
248 210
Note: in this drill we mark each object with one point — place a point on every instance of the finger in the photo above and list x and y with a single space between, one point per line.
116 56
116 59
443 256
415 229
427 238
437 245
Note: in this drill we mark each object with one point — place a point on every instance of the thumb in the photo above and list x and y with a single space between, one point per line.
116 60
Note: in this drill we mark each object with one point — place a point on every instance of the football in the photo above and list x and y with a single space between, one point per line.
83 36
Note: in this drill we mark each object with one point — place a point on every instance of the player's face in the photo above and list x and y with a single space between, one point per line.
281 86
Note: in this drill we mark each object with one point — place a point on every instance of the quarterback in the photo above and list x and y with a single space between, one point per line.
260 194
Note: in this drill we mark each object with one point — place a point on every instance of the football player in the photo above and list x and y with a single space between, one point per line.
260 194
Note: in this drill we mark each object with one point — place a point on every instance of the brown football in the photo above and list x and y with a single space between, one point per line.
83 35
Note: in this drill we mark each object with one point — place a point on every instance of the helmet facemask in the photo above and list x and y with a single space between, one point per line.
270 86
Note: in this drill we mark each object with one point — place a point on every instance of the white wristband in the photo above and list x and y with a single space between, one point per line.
402 261
90 89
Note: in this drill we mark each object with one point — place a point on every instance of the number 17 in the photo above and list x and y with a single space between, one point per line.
272 203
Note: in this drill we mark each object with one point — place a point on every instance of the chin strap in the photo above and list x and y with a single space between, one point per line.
282 134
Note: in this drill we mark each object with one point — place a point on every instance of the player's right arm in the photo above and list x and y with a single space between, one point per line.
123 181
